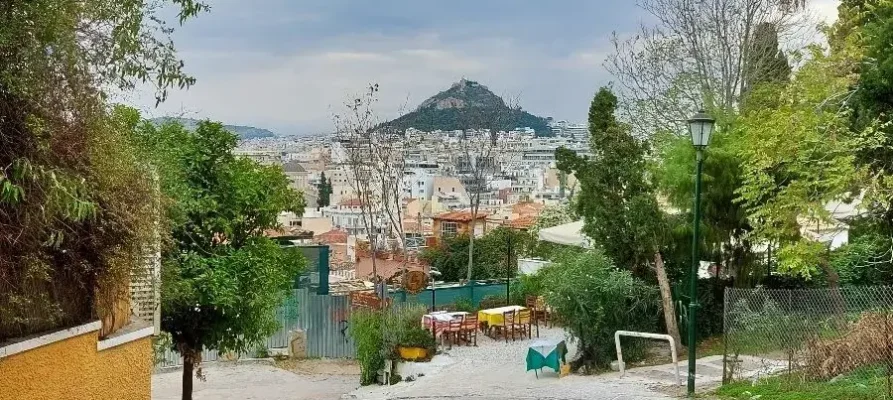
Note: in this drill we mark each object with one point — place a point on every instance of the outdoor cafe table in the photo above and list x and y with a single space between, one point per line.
440 321
493 316
546 353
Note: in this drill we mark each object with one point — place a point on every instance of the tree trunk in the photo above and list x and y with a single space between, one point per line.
666 298
187 377
837 301
471 246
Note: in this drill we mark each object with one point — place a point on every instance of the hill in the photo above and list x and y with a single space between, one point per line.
468 105
244 132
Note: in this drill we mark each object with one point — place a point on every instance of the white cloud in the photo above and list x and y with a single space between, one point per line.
298 93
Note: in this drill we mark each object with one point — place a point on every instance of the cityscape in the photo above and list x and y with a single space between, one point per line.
490 199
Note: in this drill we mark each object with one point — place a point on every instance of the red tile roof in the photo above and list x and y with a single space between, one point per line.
523 222
351 202
332 236
459 216
528 208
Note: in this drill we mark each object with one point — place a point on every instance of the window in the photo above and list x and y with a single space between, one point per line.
452 189
294 223
449 228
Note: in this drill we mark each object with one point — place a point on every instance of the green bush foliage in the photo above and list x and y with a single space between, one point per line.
378 333
867 260
526 285
464 304
365 329
592 299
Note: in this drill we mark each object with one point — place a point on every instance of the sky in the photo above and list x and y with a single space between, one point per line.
289 65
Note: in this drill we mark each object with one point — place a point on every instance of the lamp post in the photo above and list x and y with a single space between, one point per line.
700 126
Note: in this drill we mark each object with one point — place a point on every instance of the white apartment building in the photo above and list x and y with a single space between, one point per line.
347 216
418 184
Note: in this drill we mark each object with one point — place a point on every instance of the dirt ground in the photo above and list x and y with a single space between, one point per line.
302 380
320 367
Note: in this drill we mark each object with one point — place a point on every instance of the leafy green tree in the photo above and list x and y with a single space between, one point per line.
222 279
795 158
724 223
767 64
617 200
76 203
593 299
324 189
871 21
491 256
865 260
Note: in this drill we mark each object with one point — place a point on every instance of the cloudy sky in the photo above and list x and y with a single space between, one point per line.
287 65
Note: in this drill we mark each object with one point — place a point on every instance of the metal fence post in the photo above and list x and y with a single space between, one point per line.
323 269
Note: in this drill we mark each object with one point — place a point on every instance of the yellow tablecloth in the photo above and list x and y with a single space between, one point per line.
493 316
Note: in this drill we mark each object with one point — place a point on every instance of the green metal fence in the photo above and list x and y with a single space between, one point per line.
449 293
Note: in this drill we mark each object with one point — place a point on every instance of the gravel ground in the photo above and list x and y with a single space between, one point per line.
495 370
254 382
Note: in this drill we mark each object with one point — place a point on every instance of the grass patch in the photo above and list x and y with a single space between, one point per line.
864 384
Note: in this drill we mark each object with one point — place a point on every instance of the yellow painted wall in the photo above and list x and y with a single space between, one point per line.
73 369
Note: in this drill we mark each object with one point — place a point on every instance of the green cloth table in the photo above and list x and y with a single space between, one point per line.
546 353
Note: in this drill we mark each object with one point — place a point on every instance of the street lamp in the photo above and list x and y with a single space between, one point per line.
700 126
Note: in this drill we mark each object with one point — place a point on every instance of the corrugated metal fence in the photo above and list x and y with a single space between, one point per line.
325 320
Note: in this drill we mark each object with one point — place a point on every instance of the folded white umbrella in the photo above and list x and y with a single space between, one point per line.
567 234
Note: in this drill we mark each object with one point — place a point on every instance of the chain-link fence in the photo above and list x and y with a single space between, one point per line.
810 334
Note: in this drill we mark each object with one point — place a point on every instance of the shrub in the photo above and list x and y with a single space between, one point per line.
864 261
378 333
365 328
526 285
866 343
593 299
492 301
464 304
402 327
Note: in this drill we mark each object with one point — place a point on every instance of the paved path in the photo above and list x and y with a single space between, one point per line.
495 370
254 382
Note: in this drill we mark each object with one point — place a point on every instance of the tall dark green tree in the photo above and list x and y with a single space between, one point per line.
324 191
767 62
617 200
873 98
222 280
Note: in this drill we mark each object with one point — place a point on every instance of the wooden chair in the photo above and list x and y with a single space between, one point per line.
454 330
532 305
543 311
522 323
508 324
470 329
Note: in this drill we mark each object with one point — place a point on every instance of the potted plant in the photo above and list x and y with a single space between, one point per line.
416 344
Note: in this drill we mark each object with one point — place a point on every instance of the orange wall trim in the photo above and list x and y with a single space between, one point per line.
69 366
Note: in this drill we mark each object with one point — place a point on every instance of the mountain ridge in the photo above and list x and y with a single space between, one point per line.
468 104
243 131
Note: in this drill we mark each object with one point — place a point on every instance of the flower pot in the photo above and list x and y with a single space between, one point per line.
412 353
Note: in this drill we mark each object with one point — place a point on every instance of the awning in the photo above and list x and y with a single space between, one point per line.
568 234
